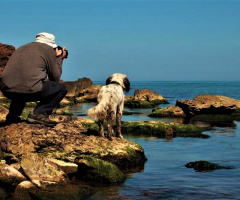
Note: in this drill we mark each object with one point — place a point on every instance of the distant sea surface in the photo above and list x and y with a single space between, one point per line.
165 175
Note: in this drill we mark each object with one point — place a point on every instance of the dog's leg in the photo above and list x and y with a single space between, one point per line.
110 129
118 121
101 128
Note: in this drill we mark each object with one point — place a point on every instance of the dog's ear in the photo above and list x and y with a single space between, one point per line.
108 81
126 83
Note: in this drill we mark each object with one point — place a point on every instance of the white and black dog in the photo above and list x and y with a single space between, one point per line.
110 104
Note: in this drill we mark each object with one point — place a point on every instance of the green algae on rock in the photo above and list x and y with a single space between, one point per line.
67 140
94 169
162 129
170 111
132 103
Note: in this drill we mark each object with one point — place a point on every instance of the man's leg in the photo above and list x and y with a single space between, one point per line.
51 95
15 110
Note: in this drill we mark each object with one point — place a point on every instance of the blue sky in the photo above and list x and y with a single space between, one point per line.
158 40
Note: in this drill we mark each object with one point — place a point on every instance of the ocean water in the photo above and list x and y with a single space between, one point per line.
165 175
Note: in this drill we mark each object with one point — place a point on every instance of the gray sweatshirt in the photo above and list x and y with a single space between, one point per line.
29 66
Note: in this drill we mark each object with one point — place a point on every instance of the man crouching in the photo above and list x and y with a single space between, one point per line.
32 74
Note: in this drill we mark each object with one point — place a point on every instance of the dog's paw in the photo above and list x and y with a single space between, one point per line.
119 136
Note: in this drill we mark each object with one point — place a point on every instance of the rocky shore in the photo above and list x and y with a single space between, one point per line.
38 160
63 162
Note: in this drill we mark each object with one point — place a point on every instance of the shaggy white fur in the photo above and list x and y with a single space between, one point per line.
110 104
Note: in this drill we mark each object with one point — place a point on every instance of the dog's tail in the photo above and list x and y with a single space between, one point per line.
98 112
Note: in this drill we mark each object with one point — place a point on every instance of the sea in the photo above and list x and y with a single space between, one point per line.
164 175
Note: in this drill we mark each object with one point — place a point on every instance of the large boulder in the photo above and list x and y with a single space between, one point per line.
89 94
208 104
67 141
147 95
40 171
144 98
75 87
5 53
53 159
95 169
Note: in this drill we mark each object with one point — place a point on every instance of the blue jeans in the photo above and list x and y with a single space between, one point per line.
50 96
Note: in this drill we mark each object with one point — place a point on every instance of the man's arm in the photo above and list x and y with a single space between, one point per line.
55 66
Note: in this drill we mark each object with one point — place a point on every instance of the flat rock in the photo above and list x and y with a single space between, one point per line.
39 170
208 104
147 95
169 111
67 167
66 141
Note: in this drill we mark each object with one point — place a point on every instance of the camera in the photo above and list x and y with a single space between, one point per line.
60 48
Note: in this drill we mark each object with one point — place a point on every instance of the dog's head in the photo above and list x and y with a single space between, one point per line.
120 79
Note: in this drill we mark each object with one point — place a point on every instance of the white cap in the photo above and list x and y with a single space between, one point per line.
46 38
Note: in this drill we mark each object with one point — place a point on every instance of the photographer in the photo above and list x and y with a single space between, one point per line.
32 74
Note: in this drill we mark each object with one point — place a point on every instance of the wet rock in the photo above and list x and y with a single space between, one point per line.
66 167
208 104
10 176
130 102
162 129
204 166
144 99
27 190
170 111
94 169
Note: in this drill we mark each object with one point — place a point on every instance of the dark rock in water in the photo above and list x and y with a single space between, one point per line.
208 104
205 166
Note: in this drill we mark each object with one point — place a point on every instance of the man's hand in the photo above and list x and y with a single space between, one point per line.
64 53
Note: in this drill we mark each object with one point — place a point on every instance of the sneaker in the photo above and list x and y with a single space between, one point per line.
40 119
